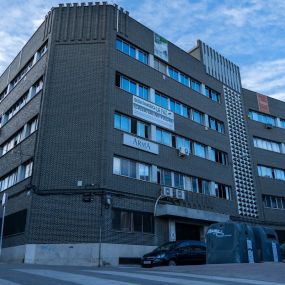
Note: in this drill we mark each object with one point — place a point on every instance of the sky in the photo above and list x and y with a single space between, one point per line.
251 33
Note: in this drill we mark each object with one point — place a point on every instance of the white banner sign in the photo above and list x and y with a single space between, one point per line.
139 143
160 47
153 113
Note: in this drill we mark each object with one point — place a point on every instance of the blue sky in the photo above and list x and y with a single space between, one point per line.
251 33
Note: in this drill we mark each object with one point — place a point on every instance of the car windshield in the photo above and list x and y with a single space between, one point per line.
166 246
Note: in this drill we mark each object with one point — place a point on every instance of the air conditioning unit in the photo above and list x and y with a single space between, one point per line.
167 191
269 126
179 194
182 151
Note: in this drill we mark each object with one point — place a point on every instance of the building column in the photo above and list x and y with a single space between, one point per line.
152 95
172 230
151 60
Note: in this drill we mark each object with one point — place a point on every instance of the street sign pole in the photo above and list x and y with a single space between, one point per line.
4 200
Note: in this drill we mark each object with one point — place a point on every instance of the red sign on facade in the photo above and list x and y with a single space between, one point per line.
262 103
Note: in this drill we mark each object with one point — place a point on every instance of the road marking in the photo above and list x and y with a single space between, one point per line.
217 278
172 280
70 277
6 282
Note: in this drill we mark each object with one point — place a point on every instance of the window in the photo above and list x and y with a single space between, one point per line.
133 87
218 156
143 92
132 221
160 66
263 118
15 223
195 85
122 122
197 117
131 51
161 100
17 175
184 79
28 169
199 150
163 137
22 73
216 125
14 109
164 177
131 168
212 94
187 183
173 73
269 172
19 136
142 129
282 123
3 94
222 191
178 180
266 144
143 173
183 142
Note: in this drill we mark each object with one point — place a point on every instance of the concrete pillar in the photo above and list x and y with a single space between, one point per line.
152 95
172 230
206 120
154 174
212 188
153 133
203 89
151 60
208 153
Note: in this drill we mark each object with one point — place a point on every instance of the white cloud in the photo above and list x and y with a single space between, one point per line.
266 77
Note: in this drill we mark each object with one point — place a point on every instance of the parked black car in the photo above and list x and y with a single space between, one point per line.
176 253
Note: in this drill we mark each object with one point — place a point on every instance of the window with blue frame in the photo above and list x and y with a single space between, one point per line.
143 92
142 56
199 150
174 74
212 94
122 122
195 85
134 87
163 137
183 142
197 117
132 51
282 123
263 118
216 125
161 100
184 79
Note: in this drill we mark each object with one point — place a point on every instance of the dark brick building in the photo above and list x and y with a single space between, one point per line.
114 140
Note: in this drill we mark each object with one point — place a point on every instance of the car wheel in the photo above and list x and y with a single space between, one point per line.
172 263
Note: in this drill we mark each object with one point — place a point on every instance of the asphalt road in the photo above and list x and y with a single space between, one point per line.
230 274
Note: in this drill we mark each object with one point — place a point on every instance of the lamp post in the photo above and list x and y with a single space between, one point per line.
106 199
4 200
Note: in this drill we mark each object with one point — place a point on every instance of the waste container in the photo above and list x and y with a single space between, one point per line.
230 243
267 245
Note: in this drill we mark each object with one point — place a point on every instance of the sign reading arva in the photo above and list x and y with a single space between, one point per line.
153 113
140 143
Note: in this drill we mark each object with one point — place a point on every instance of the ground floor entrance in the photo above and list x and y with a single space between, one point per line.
186 231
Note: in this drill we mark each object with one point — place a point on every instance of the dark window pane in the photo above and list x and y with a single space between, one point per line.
148 225
137 221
